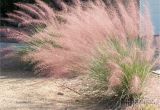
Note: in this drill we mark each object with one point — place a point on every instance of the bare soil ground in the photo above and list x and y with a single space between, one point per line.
19 91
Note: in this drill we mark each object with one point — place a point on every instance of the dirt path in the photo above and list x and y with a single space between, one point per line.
20 92
33 94
152 89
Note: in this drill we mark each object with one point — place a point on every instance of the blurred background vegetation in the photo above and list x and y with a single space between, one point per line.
8 5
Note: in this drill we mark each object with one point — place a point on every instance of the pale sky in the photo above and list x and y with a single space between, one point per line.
154 7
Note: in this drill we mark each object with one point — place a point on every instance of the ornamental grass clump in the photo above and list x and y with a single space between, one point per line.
111 43
125 72
123 62
105 41
90 30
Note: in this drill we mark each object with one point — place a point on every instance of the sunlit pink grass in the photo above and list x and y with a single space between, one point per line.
135 87
83 32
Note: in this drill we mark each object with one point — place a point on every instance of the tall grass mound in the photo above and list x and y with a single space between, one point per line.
111 43
122 68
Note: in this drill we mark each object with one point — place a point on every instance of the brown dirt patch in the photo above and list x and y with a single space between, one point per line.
18 91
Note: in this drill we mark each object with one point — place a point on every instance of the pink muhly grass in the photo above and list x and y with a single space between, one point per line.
134 13
128 22
118 26
13 35
148 36
112 66
112 52
22 14
54 62
149 54
85 33
115 79
146 28
42 14
16 17
127 61
29 9
33 23
39 11
46 9
135 85
30 16
85 29
9 20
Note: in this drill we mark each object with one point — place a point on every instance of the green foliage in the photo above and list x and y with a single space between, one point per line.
99 70
129 61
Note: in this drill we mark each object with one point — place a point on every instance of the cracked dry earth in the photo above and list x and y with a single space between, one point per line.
22 92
